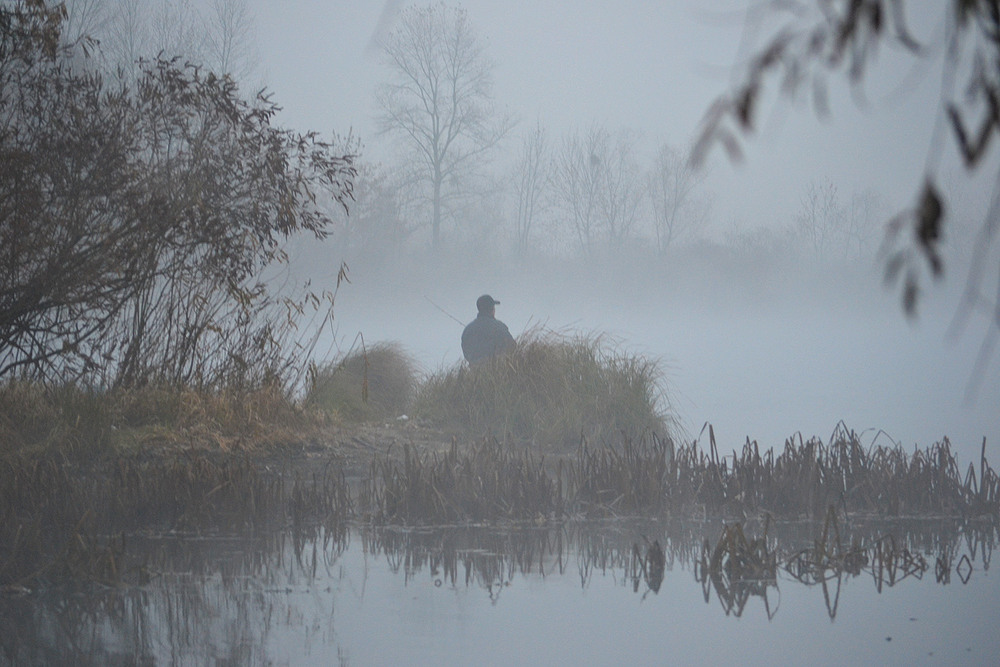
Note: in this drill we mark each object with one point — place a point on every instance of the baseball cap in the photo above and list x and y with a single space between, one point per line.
485 302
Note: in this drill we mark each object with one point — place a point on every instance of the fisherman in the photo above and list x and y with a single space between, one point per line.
486 336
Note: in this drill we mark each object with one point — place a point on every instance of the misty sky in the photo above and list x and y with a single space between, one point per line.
655 67
646 65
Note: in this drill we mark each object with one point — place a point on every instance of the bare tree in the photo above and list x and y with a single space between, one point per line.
220 35
176 29
231 39
126 37
623 192
835 228
598 188
84 18
673 186
439 100
531 177
375 227
863 214
820 217
578 181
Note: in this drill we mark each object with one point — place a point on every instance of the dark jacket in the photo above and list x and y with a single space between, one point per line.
485 337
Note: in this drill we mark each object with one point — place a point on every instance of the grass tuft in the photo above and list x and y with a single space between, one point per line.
374 384
551 390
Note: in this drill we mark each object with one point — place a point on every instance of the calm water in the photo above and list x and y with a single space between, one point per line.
573 594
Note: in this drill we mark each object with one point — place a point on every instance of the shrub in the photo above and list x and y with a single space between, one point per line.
552 389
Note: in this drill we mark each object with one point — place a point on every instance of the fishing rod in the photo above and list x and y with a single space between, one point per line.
460 322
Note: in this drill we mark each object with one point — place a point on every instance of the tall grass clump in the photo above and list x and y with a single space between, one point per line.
374 383
553 389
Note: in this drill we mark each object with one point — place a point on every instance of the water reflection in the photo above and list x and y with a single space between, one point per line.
231 599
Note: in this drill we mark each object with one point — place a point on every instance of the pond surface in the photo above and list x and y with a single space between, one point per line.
579 593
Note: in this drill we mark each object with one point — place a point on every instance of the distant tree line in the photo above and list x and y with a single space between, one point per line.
590 192
137 215
219 35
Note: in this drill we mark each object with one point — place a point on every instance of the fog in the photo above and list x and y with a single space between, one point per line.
762 344
783 294
652 67
758 356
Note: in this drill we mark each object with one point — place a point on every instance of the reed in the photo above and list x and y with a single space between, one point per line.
503 480
632 478
492 481
803 480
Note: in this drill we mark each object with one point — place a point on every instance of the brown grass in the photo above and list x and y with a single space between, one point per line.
629 479
499 480
552 390
809 476
375 383
87 422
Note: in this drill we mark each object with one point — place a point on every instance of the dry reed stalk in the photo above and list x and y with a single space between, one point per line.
492 481
737 569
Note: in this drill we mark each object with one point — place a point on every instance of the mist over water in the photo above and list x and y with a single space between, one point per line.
761 350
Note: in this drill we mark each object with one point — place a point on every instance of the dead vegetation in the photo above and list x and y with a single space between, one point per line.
496 480
491 481
806 477
87 423
59 519
371 384
551 390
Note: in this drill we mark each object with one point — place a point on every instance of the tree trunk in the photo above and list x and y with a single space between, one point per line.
436 220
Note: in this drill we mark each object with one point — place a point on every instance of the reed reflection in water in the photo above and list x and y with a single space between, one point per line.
497 594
